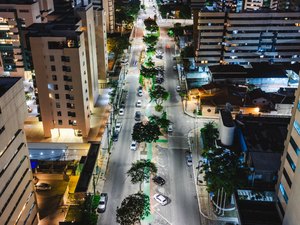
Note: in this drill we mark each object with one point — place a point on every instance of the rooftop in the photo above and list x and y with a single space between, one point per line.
6 83
18 2
264 134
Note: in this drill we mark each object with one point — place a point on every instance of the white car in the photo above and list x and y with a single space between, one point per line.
121 112
189 160
138 103
118 127
178 88
133 146
102 203
160 199
140 93
170 128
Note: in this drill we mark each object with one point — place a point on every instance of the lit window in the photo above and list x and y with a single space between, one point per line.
283 192
297 127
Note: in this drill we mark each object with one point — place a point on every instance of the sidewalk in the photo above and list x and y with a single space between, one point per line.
205 205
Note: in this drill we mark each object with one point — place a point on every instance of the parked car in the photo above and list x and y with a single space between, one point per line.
178 88
42 187
138 116
159 180
133 146
115 136
170 128
189 160
118 127
140 91
138 103
102 203
161 199
159 56
122 105
175 68
121 112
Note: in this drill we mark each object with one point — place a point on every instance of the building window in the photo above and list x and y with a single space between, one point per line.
51 58
283 192
2 130
59 113
66 68
54 77
23 10
65 58
72 114
287 178
67 78
295 146
53 68
70 106
60 122
291 162
56 96
57 105
55 87
68 87
55 45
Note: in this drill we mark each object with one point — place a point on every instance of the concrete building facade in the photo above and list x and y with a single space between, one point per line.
62 80
14 17
287 188
17 198
229 38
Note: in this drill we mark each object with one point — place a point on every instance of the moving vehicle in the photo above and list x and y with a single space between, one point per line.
178 88
42 187
159 180
140 91
102 203
161 199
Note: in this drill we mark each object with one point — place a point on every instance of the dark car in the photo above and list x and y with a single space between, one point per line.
159 56
115 136
138 116
102 203
159 180
42 187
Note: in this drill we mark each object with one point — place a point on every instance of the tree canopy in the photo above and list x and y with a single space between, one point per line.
145 132
141 171
150 40
209 134
151 25
133 208
148 72
162 121
158 94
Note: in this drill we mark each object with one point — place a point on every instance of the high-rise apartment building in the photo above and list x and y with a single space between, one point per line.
15 15
246 37
109 9
17 198
288 187
61 67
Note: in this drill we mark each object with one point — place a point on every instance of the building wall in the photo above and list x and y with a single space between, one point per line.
289 175
101 46
86 14
17 199
229 38
71 108
14 17
109 9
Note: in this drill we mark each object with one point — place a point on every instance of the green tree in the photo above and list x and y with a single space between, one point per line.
133 208
141 171
145 132
151 25
222 170
162 121
209 134
158 94
150 40
148 72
